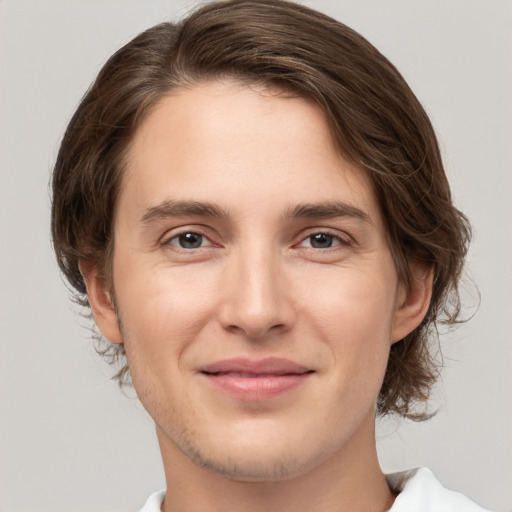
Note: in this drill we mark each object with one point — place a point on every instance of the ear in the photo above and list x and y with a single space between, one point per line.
101 303
412 301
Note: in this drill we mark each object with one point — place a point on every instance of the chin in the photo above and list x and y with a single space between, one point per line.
251 466
253 471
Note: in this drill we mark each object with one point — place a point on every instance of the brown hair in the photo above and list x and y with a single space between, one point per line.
376 121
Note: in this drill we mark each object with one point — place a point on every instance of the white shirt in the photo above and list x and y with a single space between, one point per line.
419 491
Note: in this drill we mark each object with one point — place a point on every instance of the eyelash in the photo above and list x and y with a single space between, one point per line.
168 241
339 241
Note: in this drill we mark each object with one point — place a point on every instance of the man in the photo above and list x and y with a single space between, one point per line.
253 205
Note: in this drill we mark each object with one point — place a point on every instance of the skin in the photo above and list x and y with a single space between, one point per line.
258 284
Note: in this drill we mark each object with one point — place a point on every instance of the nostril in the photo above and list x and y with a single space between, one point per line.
254 313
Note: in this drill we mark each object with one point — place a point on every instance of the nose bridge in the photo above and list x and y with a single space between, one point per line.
256 300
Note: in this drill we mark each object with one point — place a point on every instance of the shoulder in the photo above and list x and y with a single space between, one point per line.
154 502
419 490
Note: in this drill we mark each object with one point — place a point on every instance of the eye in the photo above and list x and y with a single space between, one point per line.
322 241
189 240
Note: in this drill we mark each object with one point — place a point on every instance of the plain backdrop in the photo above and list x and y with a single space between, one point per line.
69 439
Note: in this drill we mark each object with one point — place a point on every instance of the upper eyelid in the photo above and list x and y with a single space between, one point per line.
200 229
341 235
340 243
176 232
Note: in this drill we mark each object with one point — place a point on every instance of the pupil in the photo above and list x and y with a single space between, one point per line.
321 241
190 240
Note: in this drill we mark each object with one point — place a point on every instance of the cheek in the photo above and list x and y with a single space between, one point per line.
354 316
352 302
161 311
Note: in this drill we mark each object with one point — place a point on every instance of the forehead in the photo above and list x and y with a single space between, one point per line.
244 145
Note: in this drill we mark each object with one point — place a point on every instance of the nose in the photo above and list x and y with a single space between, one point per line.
256 301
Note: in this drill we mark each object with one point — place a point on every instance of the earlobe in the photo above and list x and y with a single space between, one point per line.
413 301
101 303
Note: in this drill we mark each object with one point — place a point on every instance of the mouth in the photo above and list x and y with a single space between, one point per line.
256 380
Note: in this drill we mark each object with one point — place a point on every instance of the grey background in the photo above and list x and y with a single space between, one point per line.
69 440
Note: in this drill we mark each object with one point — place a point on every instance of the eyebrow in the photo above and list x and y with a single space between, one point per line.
327 210
324 210
172 208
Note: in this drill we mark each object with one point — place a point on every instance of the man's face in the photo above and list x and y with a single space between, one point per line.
256 291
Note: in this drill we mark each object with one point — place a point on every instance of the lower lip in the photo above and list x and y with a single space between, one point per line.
261 387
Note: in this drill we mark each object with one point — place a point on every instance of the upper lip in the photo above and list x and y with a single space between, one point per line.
266 366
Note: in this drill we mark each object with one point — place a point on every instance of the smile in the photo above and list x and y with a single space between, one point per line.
247 379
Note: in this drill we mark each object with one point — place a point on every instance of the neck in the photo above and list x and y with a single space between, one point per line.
349 480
